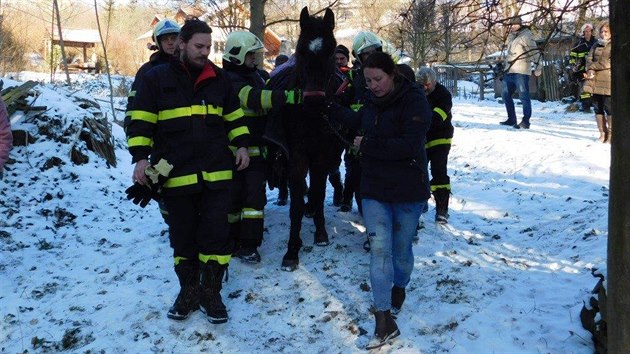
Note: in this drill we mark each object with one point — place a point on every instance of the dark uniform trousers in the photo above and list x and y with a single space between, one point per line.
248 202
438 158
199 220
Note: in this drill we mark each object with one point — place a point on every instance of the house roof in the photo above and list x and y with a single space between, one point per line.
78 35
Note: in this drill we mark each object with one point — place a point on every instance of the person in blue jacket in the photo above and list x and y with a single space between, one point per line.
394 121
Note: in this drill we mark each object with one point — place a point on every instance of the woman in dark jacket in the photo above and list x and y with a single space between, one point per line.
394 186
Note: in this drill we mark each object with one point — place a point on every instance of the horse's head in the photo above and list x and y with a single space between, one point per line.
315 48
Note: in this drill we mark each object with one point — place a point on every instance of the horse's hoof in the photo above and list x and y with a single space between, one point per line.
290 265
321 239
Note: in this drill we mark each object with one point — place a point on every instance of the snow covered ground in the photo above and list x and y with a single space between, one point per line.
84 270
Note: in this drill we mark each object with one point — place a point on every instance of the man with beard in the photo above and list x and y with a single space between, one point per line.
185 115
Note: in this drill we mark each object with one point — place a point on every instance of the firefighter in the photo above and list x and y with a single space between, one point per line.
246 216
438 143
185 115
577 60
165 35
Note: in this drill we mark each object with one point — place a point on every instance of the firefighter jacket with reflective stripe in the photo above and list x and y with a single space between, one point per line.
156 59
441 130
249 83
190 123
577 56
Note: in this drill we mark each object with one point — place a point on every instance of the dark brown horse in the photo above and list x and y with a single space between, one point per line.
300 130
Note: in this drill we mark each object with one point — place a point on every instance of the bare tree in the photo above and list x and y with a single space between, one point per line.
109 77
63 50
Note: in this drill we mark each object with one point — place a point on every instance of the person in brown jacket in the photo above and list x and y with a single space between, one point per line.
598 81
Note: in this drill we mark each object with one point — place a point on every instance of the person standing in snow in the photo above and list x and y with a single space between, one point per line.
577 60
165 35
598 81
394 120
521 53
185 113
249 197
439 138
6 137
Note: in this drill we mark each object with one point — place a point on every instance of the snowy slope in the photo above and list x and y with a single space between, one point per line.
83 269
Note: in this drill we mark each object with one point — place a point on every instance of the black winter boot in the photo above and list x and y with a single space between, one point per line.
398 298
188 298
441 205
384 331
211 283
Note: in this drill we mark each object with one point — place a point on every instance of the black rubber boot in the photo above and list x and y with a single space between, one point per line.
441 205
211 283
187 300
384 331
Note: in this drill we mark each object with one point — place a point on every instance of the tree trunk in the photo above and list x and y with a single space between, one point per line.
257 24
63 50
618 307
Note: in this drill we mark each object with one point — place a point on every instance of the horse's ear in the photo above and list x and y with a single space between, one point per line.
304 16
329 18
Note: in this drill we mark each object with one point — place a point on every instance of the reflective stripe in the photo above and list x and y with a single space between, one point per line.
249 213
441 186
139 141
250 112
179 259
205 258
188 180
182 112
582 55
217 176
132 93
243 94
435 142
128 114
585 95
237 132
251 151
233 116
234 217
441 112
181 181
356 107
265 99
145 116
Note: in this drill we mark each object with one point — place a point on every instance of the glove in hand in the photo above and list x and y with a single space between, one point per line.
140 194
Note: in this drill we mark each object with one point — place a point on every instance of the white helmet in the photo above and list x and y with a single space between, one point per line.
164 27
363 41
238 44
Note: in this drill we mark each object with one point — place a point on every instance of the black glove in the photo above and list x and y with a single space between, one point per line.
157 174
140 194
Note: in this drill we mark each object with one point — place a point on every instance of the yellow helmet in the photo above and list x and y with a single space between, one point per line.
363 41
238 44
164 27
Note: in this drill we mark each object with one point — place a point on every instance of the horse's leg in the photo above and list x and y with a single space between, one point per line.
319 173
297 172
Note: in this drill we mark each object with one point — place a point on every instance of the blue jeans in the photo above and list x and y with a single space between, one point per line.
511 83
390 228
